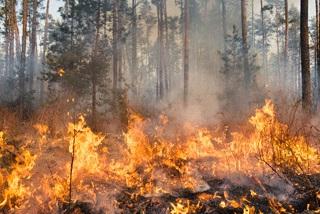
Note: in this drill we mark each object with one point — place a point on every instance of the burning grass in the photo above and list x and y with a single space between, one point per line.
160 166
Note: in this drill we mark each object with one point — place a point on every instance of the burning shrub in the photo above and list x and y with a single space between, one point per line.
83 144
276 146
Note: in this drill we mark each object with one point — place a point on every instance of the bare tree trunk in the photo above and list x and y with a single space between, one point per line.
7 37
166 74
23 57
279 80
33 44
278 56
45 45
224 24
12 5
159 61
94 67
247 77
134 47
186 52
16 31
252 24
161 67
72 2
105 19
286 34
121 12
305 58
318 46
115 43
263 37
286 42
161 40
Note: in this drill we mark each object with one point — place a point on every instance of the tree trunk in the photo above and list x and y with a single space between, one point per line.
23 57
72 2
7 37
253 40
318 46
186 52
16 31
11 36
33 44
94 67
263 37
161 40
45 45
305 58
286 34
160 70
279 77
247 77
121 12
134 47
224 25
115 44
166 49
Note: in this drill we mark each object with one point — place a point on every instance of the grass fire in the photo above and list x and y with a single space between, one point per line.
159 165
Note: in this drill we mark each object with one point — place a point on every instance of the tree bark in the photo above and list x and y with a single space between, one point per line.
11 36
7 37
247 77
286 33
23 57
166 49
121 13
134 47
263 37
16 31
115 44
305 58
224 25
161 67
252 25
33 43
186 52
162 51
94 67
45 45
318 46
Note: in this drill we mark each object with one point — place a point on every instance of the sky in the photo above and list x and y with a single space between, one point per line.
55 6
58 3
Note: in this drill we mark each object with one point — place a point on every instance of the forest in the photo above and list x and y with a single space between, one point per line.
159 106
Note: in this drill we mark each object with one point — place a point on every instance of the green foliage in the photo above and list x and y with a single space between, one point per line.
72 48
233 70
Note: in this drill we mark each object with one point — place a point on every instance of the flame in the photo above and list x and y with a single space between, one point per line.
151 161
184 207
61 72
84 144
12 180
249 210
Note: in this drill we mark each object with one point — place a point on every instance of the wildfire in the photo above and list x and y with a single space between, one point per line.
150 162
84 144
14 190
